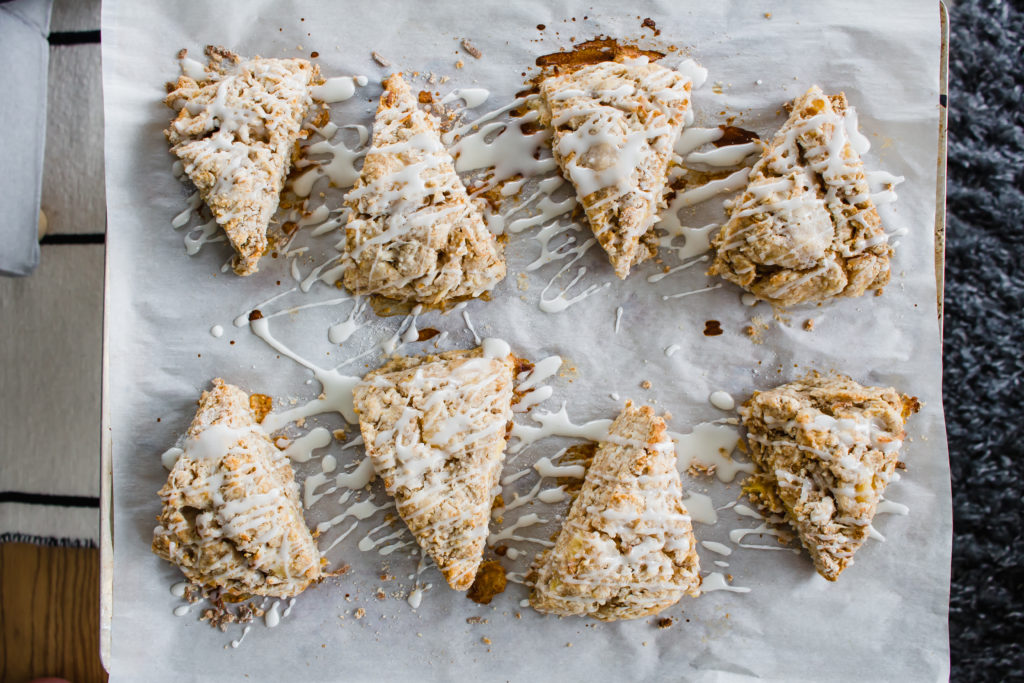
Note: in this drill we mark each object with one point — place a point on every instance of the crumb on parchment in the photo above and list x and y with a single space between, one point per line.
471 49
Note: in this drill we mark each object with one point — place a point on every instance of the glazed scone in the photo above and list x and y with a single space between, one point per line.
627 548
235 135
825 449
805 229
231 516
413 233
615 125
435 429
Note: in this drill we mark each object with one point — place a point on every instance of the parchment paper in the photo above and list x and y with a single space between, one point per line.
886 617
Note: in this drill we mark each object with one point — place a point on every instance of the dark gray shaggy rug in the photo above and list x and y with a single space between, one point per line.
984 338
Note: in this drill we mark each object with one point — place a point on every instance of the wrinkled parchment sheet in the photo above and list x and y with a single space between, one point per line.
886 617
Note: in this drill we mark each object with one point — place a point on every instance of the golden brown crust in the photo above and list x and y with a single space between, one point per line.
825 449
231 516
627 548
806 228
434 428
235 134
414 234
635 110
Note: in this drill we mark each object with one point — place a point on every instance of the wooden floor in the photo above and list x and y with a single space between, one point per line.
49 613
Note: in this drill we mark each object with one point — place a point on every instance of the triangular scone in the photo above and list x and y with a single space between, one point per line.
805 229
615 126
627 548
825 449
235 134
435 429
231 515
414 234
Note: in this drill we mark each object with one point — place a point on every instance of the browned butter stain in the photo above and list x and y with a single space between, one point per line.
427 333
595 51
734 135
712 328
649 23
490 580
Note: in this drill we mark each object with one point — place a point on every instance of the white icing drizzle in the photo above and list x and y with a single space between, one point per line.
193 68
730 155
545 468
603 127
368 543
509 533
745 511
181 610
337 89
341 332
715 581
671 350
559 303
737 536
715 547
889 507
170 456
472 97
693 138
337 388
340 165
722 400
701 508
679 295
499 348
657 277
736 180
245 632
301 449
541 371
618 318
711 444
469 326
501 147
359 510
272 617
416 594
555 424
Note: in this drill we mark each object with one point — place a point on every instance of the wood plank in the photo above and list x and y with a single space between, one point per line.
49 613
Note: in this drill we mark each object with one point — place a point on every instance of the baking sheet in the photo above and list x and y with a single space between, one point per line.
791 625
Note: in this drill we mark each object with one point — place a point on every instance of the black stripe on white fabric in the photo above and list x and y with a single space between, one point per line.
49 499
74 37
50 541
90 238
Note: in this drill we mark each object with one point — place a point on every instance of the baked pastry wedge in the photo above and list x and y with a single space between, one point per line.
231 516
435 429
413 233
235 135
805 229
825 449
615 125
626 549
